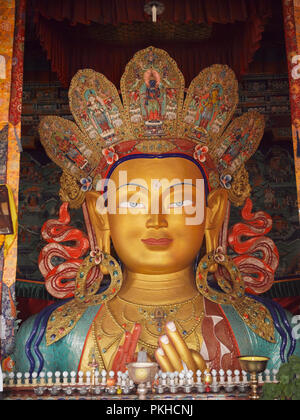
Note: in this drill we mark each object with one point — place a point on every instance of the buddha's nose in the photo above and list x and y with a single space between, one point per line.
156 221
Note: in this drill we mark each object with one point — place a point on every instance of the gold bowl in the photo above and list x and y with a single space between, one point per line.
254 365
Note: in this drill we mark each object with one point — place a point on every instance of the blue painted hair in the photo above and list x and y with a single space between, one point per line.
162 156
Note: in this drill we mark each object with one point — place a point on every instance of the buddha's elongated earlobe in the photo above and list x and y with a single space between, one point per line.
215 216
100 224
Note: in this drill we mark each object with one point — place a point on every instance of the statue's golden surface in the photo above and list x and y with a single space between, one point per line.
158 252
155 180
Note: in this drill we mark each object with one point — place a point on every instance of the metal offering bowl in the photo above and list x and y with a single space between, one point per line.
141 373
253 364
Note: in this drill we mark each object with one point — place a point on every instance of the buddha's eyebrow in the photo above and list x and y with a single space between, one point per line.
181 183
132 183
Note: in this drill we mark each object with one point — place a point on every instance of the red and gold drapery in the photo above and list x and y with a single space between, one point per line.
12 27
291 10
61 27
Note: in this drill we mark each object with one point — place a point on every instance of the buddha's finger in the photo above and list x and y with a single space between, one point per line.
117 360
135 335
182 349
126 346
171 353
163 361
200 362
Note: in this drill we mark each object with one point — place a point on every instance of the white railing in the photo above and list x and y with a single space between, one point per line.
98 382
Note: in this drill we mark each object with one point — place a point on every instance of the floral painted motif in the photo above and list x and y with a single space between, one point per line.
86 184
200 153
110 155
7 364
97 255
225 181
219 255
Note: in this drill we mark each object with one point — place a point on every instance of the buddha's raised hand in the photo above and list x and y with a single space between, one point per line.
173 351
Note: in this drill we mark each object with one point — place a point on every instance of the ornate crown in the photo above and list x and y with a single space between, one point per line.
154 118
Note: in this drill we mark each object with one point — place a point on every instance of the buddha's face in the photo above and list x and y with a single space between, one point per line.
153 235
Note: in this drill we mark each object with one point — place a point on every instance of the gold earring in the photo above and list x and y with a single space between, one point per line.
253 313
65 318
231 292
87 294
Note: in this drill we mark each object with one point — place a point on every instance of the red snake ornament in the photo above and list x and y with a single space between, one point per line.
60 279
258 257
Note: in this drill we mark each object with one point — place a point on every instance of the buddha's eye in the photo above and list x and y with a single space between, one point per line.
179 204
131 205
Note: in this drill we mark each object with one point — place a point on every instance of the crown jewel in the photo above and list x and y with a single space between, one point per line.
153 117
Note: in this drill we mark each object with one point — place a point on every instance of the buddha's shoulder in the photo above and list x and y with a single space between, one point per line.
59 321
70 319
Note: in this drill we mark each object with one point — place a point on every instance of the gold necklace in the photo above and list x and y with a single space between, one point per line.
154 317
158 314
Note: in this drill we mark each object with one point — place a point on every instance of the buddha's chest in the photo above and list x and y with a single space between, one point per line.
117 320
203 326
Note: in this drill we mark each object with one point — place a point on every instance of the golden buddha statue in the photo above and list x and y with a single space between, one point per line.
156 194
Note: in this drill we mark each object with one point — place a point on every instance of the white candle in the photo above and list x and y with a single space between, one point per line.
57 377
34 378
42 378
19 379
154 13
88 378
73 377
65 377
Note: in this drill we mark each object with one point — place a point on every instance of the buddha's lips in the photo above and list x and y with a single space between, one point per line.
155 241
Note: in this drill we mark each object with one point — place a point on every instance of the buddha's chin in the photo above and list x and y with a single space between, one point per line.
157 263
155 270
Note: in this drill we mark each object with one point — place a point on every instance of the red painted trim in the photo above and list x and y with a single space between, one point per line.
231 330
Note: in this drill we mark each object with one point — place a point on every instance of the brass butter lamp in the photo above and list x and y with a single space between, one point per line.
141 373
254 365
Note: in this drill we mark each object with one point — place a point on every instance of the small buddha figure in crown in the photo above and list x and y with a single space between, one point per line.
153 97
157 213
